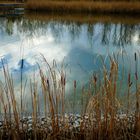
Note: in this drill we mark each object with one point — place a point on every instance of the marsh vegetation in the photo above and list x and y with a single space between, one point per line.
103 115
39 99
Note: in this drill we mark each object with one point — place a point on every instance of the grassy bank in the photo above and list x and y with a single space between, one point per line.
103 116
84 6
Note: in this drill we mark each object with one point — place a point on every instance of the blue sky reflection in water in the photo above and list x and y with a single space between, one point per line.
78 45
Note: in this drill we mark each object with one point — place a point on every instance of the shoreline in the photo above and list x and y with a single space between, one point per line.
78 7
84 7
67 126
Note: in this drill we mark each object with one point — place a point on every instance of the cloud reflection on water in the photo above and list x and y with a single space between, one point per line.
79 45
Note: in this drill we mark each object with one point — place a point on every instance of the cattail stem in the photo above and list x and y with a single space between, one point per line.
128 93
74 84
136 85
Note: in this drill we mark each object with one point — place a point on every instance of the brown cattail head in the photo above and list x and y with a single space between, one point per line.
95 78
63 80
48 84
22 63
74 83
136 75
135 56
129 78
130 84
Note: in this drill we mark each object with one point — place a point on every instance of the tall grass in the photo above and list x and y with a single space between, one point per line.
84 6
102 114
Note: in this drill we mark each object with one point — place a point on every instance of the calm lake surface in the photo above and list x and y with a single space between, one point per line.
73 44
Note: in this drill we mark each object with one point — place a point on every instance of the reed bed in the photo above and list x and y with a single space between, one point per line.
84 6
102 116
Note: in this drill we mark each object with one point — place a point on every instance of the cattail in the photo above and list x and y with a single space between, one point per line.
74 83
136 75
130 84
63 80
135 56
129 77
95 78
129 80
22 63
48 84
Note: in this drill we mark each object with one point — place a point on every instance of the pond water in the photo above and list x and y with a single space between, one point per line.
75 44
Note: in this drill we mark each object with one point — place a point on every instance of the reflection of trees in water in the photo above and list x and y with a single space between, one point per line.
2 26
6 25
90 33
116 34
119 34
32 28
74 30
56 30
9 26
106 32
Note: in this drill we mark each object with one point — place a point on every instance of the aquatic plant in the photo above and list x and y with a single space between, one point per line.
103 116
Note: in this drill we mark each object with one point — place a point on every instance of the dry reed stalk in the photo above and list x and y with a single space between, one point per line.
44 90
10 86
53 109
108 100
137 113
103 103
128 93
63 82
4 106
33 97
74 94
95 83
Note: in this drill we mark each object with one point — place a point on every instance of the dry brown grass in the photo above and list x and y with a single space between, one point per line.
9 2
102 107
84 6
